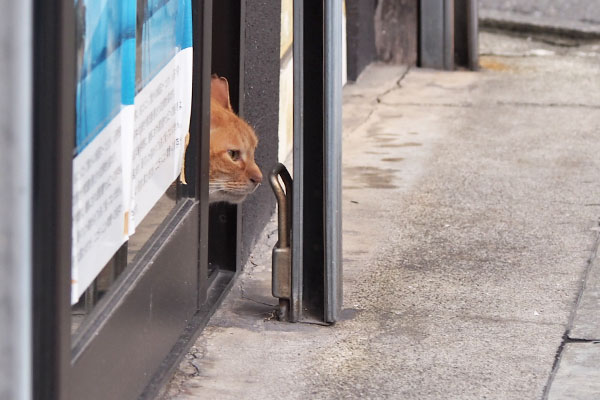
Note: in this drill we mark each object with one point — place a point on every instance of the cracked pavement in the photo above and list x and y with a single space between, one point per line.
470 219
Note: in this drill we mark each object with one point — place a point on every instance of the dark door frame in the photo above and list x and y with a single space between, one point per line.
225 220
317 215
53 142
102 362
448 32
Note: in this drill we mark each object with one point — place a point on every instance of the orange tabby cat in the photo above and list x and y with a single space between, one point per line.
233 174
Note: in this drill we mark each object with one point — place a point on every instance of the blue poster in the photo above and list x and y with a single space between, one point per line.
105 64
167 29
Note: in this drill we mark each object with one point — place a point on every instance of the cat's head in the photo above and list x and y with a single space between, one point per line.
233 173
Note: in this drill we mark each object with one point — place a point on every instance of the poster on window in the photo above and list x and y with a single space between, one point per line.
163 100
133 103
105 36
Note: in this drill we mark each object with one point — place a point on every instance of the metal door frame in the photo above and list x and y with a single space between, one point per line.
225 220
448 32
96 363
316 232
53 142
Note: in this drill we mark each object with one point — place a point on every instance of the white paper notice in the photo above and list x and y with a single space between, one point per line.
162 114
98 205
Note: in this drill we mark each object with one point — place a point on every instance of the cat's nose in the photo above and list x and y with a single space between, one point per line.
255 177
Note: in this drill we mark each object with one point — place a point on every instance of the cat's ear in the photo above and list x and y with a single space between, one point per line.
219 88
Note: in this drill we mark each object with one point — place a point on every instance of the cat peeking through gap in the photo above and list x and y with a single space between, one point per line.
233 174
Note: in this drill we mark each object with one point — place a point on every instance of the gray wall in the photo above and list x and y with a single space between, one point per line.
15 200
381 30
261 108
396 35
360 35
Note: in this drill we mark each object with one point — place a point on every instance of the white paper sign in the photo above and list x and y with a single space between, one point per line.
161 123
99 205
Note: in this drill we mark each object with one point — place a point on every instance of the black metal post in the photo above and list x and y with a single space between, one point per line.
298 146
225 229
332 162
465 34
448 34
54 133
310 177
316 265
473 34
436 32
197 157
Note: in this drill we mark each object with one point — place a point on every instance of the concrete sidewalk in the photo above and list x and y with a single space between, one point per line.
471 209
562 20
582 11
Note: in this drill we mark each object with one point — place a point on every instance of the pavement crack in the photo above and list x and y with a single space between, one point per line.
196 369
578 340
396 86
566 338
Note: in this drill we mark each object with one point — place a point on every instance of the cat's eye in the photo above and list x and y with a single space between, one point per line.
234 154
